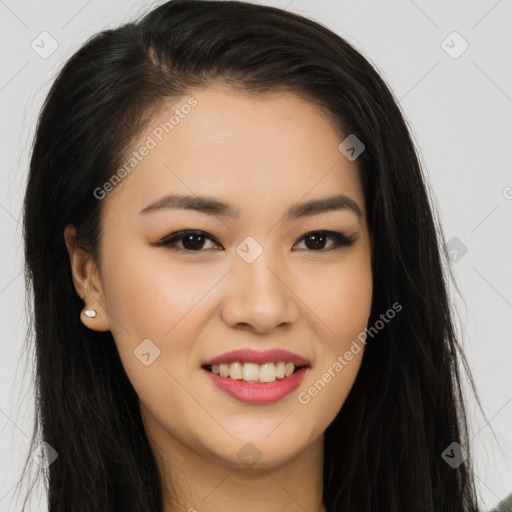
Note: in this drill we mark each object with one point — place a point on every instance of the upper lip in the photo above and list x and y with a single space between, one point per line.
258 357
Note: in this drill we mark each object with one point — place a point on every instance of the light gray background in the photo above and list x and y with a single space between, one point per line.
459 111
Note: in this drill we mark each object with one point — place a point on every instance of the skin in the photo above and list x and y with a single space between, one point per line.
263 155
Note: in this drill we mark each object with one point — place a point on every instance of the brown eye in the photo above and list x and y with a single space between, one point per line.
190 240
315 241
195 241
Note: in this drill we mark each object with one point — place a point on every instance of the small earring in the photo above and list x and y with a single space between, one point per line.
90 313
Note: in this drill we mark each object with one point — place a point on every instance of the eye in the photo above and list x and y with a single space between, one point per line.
315 240
194 240
191 240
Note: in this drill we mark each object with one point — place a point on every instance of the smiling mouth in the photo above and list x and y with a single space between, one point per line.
252 372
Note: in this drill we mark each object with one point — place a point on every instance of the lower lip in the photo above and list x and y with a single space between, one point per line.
258 393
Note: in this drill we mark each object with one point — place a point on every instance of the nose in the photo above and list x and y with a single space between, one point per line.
258 298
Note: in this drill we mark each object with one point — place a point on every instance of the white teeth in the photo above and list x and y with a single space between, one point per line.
224 370
289 369
252 372
236 371
280 370
268 372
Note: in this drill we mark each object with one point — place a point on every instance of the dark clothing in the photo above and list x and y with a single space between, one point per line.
504 505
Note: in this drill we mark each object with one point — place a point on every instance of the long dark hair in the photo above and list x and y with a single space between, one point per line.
384 449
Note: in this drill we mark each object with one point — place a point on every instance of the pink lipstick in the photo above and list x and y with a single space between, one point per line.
259 393
270 385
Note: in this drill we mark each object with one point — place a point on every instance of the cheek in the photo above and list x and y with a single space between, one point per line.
147 300
325 394
344 313
343 307
353 300
341 298
147 294
148 297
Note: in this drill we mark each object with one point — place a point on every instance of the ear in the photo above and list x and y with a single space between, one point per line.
87 282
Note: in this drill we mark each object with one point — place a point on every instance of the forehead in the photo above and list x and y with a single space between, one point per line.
250 150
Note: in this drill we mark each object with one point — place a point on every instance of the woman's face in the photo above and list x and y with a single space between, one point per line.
254 281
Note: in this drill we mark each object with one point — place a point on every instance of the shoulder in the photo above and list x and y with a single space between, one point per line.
504 505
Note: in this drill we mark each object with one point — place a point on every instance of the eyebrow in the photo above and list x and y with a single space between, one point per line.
212 206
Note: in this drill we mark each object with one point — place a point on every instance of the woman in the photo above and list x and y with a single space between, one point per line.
239 296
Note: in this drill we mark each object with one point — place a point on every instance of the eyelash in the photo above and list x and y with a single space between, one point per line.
169 241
